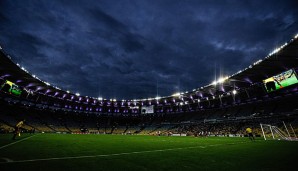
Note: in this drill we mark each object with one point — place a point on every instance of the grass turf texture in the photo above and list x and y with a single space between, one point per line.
125 152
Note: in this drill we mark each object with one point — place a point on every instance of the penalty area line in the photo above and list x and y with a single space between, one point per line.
117 154
7 145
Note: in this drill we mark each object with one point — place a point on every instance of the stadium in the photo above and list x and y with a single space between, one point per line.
155 125
200 129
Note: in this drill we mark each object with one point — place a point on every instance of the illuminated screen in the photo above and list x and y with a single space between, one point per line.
281 80
147 109
11 88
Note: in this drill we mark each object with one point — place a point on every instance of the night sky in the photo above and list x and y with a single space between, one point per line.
129 49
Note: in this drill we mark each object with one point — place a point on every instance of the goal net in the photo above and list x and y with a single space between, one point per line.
271 132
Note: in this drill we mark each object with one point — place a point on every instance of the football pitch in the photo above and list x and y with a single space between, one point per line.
50 152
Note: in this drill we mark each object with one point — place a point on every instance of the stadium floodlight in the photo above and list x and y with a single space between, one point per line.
257 62
99 98
234 92
176 94
222 79
77 94
157 98
276 50
296 36
67 91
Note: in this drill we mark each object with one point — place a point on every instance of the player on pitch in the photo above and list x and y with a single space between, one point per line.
249 133
17 129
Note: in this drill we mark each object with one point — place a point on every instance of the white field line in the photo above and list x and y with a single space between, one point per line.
7 145
117 154
7 159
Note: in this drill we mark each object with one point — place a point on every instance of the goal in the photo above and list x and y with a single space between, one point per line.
271 132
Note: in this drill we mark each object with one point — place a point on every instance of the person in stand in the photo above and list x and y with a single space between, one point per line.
17 129
249 133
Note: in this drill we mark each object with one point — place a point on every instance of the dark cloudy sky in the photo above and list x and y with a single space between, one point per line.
138 48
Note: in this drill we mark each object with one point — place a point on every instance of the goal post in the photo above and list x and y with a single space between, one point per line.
271 132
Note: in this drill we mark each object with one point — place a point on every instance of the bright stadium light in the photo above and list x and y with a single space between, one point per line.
77 94
257 62
67 91
296 36
157 98
176 94
222 79
234 92
99 98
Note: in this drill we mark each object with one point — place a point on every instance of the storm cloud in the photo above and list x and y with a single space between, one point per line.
129 49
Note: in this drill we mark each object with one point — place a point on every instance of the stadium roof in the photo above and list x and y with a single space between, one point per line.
281 59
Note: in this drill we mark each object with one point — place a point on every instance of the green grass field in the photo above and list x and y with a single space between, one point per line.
126 152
